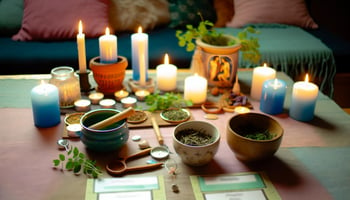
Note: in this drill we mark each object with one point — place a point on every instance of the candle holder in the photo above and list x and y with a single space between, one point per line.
108 76
135 85
84 81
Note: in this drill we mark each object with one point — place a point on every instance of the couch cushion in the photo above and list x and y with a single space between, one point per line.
58 19
292 12
126 15
11 12
183 12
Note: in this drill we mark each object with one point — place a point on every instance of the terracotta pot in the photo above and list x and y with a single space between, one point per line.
109 76
217 63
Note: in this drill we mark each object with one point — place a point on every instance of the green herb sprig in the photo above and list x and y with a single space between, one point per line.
77 162
168 100
205 30
266 135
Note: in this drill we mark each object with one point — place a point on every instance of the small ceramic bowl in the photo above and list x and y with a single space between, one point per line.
250 150
108 139
196 155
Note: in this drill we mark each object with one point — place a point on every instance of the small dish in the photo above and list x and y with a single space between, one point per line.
138 117
73 118
175 115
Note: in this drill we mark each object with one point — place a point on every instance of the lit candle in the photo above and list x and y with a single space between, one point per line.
108 48
141 94
166 75
272 96
128 102
107 103
82 105
45 105
260 75
195 89
81 48
139 48
304 98
96 97
121 94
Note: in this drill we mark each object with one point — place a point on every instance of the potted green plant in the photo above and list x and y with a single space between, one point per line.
216 54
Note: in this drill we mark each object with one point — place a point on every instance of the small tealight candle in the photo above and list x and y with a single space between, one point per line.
107 103
45 105
74 130
121 94
260 75
195 89
272 96
96 97
141 94
304 98
166 75
128 102
82 105
241 110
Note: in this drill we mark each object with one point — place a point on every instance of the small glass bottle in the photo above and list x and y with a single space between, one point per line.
68 85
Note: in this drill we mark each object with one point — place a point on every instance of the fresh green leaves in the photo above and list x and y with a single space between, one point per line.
165 101
77 161
205 31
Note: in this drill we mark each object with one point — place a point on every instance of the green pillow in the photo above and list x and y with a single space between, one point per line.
183 12
11 12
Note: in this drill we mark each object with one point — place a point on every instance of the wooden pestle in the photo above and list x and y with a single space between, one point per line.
113 119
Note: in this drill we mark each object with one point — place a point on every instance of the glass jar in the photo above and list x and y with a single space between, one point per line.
68 85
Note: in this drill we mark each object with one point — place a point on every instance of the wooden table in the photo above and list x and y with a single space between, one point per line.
26 152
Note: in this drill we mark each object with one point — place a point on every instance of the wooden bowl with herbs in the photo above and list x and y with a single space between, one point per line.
196 142
253 136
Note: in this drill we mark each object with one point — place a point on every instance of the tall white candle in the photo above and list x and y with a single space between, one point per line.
166 75
139 47
304 98
108 48
81 48
260 75
196 89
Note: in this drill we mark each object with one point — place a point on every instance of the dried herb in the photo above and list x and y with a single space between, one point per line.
175 114
193 137
137 116
266 135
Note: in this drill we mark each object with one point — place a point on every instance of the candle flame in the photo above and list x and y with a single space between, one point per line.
265 65
307 78
80 27
139 30
107 31
166 59
42 82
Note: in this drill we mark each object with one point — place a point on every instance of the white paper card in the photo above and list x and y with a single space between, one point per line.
214 180
126 184
246 195
144 195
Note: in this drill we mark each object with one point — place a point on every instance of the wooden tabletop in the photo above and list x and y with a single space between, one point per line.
26 153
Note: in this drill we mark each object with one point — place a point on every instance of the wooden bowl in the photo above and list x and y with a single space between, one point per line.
250 150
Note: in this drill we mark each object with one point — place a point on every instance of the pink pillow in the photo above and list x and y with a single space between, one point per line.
58 19
291 12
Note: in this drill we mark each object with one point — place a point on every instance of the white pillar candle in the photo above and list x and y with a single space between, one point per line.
303 102
260 75
108 48
81 48
196 89
166 75
139 48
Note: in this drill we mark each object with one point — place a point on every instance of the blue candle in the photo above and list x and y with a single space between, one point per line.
45 105
139 51
303 102
272 96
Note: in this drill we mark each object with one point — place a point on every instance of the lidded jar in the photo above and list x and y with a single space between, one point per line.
68 85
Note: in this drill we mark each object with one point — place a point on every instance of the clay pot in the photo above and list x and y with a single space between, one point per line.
109 76
218 64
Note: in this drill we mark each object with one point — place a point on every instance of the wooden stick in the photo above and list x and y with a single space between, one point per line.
157 131
113 119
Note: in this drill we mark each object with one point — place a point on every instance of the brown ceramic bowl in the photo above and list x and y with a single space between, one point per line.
249 150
